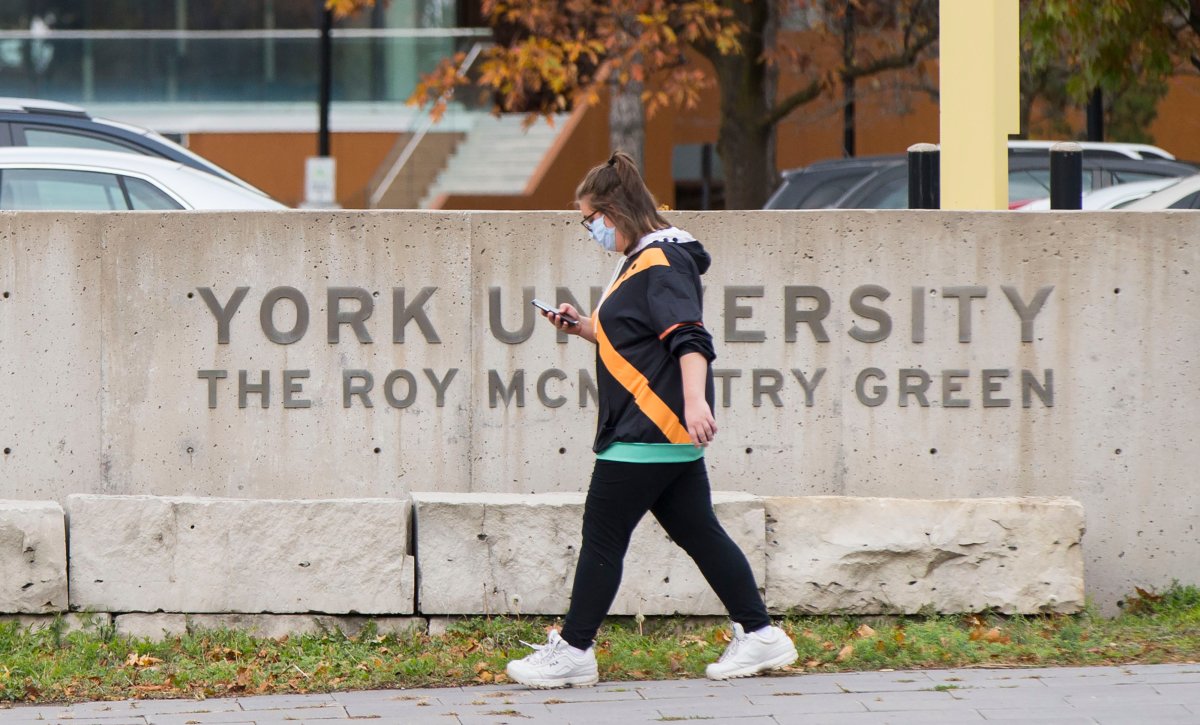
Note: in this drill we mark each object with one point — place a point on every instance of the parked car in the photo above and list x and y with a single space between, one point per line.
77 179
881 182
1183 195
1095 148
31 122
1113 197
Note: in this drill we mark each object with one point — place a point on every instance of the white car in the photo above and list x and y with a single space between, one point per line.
1183 195
1105 148
74 179
1112 197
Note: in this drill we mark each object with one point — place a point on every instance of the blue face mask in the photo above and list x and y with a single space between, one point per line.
605 236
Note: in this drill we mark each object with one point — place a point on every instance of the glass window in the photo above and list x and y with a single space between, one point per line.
1128 177
1191 201
144 196
44 136
1028 184
60 190
891 195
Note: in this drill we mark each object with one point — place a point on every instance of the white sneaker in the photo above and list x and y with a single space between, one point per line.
750 654
555 664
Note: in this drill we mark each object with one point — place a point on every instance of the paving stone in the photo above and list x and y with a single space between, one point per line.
1142 714
586 713
885 701
197 718
1000 697
811 703
599 693
785 686
1043 716
1083 696
701 708
276 702
917 717
1181 693
870 682
984 679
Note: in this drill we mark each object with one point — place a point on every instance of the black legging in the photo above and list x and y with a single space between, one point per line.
678 495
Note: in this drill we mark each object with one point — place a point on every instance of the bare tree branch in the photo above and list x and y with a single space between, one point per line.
792 102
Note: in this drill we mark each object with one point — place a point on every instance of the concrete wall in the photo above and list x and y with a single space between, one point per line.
104 331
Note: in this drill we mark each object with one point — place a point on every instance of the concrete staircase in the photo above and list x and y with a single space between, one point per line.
498 156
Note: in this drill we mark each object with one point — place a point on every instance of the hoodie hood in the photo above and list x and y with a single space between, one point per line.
685 242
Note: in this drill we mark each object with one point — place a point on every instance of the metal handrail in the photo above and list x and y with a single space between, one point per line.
411 147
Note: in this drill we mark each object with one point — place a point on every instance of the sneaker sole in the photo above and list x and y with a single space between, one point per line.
782 660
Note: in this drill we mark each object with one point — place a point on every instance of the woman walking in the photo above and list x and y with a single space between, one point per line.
655 385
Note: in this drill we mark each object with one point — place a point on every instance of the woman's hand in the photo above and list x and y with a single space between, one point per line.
700 423
697 415
567 311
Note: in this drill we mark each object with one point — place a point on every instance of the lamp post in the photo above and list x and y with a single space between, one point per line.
326 80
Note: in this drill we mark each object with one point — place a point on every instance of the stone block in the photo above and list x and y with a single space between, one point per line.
516 554
273 626
146 554
828 554
33 557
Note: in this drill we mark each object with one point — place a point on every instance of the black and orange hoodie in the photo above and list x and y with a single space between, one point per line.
650 315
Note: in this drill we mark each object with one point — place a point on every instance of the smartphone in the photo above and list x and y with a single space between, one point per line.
550 310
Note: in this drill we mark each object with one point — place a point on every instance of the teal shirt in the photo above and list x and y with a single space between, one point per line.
650 453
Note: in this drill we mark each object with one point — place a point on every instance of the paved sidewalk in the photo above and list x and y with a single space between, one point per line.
1139 695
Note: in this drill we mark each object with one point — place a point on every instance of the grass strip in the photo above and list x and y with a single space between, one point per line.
52 665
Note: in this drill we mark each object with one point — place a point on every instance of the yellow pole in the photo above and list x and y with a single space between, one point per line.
980 100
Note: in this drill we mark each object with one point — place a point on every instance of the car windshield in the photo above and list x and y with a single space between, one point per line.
208 165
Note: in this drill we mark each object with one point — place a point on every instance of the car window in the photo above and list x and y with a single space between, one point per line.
816 189
60 190
1128 177
44 136
144 196
831 189
1191 201
892 194
1028 184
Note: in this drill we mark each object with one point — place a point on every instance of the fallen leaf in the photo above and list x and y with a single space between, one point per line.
865 631
812 663
828 646
485 677
993 635
846 653
900 637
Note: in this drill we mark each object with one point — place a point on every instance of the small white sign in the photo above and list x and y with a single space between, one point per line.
320 181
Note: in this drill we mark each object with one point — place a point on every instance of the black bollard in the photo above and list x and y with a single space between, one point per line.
924 176
1066 176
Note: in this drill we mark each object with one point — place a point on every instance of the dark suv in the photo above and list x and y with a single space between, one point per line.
881 182
29 122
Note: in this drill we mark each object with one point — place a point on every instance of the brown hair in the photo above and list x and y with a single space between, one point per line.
616 189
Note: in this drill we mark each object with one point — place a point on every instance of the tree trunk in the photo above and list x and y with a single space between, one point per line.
746 142
627 121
